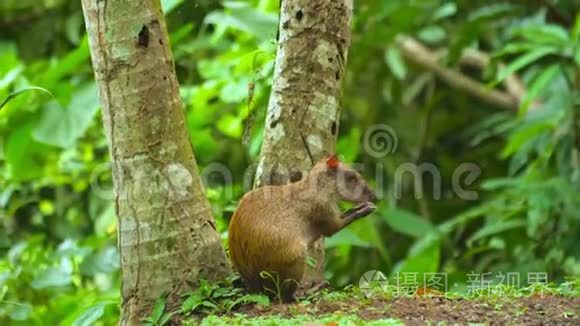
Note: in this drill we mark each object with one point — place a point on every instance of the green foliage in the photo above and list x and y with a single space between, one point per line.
158 316
218 298
58 259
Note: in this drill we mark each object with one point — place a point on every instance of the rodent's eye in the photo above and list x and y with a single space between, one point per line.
350 177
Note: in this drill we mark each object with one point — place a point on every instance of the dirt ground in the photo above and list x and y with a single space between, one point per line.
547 310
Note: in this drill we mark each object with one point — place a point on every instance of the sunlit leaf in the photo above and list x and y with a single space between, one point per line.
496 228
545 34
191 303
432 34
407 223
396 62
169 5
539 84
235 91
10 77
62 127
158 308
20 153
67 65
243 17
18 311
230 126
21 91
52 277
491 11
524 60
422 258
345 237
91 315
524 135
446 10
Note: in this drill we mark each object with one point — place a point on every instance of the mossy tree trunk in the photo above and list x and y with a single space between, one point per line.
304 111
166 235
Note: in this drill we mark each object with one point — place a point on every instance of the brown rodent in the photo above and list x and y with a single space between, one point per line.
273 226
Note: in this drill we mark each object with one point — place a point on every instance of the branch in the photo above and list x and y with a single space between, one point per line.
424 57
513 84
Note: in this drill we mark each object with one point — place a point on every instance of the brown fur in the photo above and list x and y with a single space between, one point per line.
273 226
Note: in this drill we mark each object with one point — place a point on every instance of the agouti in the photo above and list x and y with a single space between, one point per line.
273 226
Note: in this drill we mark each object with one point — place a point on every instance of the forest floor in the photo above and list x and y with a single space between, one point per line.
215 304
412 311
349 308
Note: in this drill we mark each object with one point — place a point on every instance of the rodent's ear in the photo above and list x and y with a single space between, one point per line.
332 162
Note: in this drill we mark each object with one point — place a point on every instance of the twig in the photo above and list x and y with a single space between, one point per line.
420 55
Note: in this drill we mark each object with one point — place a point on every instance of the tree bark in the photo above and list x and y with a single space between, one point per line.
166 235
304 111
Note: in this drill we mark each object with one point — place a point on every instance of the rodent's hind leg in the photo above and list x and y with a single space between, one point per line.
252 285
288 289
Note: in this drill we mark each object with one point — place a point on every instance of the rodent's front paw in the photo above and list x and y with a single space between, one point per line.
367 208
360 210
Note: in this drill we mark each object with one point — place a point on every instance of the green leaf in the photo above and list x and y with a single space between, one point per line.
105 260
169 5
235 91
412 91
90 316
492 11
432 34
209 304
407 223
158 309
191 303
539 84
166 317
260 299
67 65
423 257
539 204
524 135
18 311
62 127
523 61
495 228
22 153
446 10
10 76
576 29
499 183
231 126
349 145
242 16
52 277
20 91
345 237
396 62
545 34
513 48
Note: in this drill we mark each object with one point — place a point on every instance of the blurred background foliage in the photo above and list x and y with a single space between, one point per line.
57 222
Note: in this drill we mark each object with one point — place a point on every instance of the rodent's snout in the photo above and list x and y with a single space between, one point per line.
371 195
373 198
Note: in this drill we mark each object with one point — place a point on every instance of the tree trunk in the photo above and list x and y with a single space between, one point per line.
304 111
166 235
